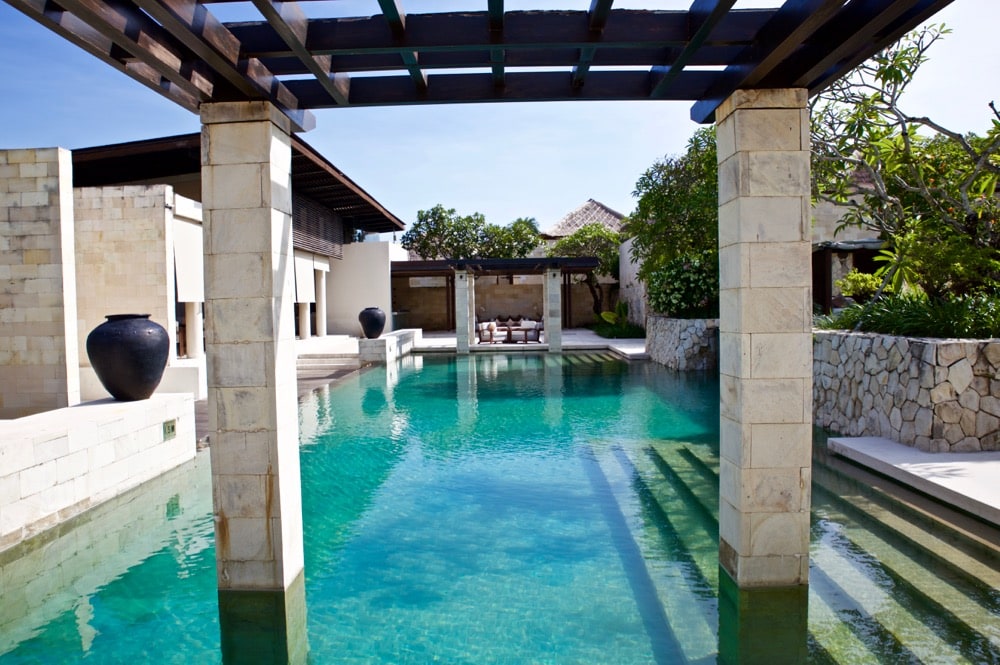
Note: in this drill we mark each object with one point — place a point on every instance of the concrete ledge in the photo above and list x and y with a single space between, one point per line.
965 480
390 346
57 464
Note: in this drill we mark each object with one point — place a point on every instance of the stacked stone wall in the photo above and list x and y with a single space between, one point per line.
683 344
935 395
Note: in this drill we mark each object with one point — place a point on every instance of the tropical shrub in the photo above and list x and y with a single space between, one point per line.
858 285
916 315
686 287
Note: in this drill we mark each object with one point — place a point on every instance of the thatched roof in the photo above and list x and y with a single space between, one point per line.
590 212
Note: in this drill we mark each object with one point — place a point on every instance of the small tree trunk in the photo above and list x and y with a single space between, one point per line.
595 293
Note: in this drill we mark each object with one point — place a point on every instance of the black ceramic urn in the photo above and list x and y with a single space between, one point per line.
372 321
129 352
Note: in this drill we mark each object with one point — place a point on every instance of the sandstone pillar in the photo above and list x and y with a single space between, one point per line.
552 308
320 277
194 328
765 337
250 334
305 322
464 283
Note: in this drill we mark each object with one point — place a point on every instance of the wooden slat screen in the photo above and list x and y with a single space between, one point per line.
316 228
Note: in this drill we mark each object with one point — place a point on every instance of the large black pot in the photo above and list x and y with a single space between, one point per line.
372 321
129 352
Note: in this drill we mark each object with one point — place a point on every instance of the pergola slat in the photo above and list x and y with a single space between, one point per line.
704 16
81 33
794 23
191 23
144 40
289 21
396 19
599 11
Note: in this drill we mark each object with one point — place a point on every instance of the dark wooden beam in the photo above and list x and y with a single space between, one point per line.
497 54
292 25
795 22
191 23
625 28
882 28
519 86
704 16
556 58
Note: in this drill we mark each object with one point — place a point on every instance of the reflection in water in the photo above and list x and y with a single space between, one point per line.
765 626
264 627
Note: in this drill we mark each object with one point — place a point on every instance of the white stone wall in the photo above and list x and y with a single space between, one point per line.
124 257
361 279
935 395
632 291
38 327
683 344
57 464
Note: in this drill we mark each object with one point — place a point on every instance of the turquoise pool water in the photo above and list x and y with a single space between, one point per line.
510 509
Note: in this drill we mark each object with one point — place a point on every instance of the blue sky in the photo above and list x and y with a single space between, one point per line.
503 160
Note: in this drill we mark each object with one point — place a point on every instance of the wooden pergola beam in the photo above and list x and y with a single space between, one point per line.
518 86
465 31
498 55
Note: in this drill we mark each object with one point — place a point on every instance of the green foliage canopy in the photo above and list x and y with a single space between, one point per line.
598 241
443 233
929 191
677 212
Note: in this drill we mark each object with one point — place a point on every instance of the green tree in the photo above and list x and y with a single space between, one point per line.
598 241
929 191
514 241
677 212
441 233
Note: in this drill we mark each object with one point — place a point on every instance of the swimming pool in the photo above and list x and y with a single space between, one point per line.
512 509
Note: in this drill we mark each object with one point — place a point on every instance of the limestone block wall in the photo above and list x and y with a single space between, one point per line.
935 395
124 257
38 326
683 344
57 464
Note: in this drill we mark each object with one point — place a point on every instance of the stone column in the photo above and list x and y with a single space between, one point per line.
765 337
247 199
194 327
39 352
305 324
320 277
552 308
463 283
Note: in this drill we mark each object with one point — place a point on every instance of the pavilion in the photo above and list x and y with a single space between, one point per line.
254 84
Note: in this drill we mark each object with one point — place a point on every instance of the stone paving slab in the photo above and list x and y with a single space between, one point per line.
969 481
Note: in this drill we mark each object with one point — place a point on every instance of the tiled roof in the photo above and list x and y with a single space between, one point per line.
590 212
